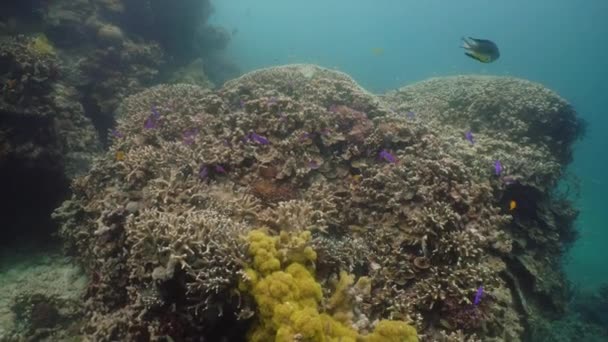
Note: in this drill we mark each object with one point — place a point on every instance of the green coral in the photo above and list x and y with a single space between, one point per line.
289 298
41 46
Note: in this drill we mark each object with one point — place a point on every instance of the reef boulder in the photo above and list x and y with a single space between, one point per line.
404 202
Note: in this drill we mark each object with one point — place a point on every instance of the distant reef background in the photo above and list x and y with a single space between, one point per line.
65 66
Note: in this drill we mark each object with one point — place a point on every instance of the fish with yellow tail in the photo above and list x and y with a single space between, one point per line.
482 50
120 155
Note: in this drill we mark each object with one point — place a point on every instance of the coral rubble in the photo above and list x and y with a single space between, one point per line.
421 217
40 296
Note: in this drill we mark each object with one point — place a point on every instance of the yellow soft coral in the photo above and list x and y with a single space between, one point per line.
288 298
392 331
340 303
265 255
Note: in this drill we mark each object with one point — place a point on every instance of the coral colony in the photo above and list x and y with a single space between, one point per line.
293 226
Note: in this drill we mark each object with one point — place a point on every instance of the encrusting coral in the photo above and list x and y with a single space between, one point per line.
402 217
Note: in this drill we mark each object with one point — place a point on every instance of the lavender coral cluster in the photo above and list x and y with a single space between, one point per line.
385 195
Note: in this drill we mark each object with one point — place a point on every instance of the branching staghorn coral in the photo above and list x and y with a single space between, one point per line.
293 215
202 243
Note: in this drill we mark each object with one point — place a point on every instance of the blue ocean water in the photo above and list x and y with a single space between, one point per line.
386 44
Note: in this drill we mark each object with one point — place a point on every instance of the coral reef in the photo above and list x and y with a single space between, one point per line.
421 217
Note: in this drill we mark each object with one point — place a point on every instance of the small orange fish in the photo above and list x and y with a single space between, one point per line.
120 155
512 205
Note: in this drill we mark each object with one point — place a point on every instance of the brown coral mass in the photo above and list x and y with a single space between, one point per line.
354 124
268 171
422 263
271 191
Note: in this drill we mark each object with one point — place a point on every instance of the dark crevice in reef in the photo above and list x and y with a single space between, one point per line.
33 181
527 199
30 193
102 122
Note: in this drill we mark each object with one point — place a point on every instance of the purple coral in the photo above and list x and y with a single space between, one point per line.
387 157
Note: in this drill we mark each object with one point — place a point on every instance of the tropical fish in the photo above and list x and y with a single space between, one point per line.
116 134
469 136
512 205
478 296
313 164
150 123
508 180
482 50
219 169
497 167
305 136
189 136
155 112
378 51
203 172
257 138
387 156
120 155
153 119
